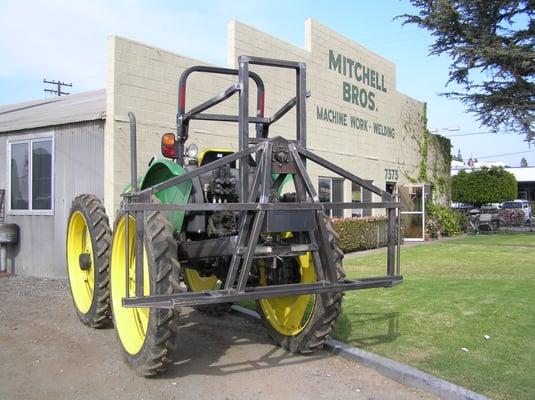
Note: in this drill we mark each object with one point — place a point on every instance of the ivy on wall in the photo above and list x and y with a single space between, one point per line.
434 152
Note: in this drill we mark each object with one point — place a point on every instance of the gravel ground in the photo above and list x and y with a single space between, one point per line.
45 353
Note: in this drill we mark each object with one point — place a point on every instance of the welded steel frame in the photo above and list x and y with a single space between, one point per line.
243 247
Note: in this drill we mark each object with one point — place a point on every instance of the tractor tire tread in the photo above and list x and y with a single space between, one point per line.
157 352
94 213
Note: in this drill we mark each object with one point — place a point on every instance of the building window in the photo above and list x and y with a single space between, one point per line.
31 176
331 190
356 197
360 195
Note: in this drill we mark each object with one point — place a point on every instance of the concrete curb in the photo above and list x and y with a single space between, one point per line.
404 374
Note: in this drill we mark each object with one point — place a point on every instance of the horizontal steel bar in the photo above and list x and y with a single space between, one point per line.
280 250
220 206
260 292
228 118
361 206
272 62
254 206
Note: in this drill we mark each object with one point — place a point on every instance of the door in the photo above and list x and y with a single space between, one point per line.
413 211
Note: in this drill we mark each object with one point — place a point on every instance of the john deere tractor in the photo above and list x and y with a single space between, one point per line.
211 229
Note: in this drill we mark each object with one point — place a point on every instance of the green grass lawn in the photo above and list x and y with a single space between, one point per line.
454 293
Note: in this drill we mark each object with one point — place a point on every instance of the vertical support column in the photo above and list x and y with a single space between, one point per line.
243 125
398 237
133 151
127 252
301 109
264 164
391 251
133 191
139 253
243 231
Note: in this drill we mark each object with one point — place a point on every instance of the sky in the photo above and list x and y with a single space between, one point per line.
66 40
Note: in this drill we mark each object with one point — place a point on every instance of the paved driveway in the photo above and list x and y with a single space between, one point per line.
45 353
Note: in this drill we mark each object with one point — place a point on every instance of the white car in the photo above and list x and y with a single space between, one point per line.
519 204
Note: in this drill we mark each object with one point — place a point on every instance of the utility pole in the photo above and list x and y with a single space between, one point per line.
58 84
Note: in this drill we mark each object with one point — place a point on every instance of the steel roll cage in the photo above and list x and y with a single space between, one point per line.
253 215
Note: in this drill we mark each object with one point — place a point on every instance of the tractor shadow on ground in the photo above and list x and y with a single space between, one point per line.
368 329
226 345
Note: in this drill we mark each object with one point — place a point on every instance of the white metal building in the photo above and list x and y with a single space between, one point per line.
51 150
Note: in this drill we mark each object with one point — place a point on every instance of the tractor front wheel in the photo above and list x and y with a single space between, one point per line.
145 334
301 324
88 248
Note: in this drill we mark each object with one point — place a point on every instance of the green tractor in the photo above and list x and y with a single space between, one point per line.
212 229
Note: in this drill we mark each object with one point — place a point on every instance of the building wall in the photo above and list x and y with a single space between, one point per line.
378 137
78 168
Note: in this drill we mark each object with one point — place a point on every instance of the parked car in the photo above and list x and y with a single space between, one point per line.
519 204
492 205
461 206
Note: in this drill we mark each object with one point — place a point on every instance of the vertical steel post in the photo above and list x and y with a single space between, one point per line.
243 125
133 152
391 251
244 229
127 253
133 191
398 237
300 107
139 253
264 164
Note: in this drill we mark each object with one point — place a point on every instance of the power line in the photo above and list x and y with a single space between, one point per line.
507 154
474 133
58 84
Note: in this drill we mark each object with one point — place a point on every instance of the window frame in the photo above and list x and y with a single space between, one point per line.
331 179
30 140
357 212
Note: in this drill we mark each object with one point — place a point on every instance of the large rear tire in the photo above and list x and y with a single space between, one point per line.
88 249
145 335
301 324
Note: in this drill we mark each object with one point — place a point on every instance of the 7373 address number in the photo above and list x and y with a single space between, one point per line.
391 174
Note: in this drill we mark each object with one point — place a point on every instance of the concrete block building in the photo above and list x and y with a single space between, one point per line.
356 118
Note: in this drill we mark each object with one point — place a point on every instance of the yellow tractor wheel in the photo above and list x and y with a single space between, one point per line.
301 324
87 247
196 282
144 334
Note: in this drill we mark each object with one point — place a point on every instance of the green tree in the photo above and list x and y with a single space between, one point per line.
487 185
492 47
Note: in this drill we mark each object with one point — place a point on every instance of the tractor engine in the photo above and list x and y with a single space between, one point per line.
221 188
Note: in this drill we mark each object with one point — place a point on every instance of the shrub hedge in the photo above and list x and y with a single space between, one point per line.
487 185
442 221
361 233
